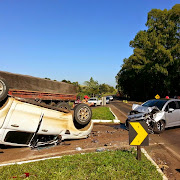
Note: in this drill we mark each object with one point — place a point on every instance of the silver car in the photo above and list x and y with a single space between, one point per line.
157 113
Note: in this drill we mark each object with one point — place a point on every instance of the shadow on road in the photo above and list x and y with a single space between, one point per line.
118 126
122 125
175 127
2 146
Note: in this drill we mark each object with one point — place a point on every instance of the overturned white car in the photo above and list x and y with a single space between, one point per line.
158 114
29 124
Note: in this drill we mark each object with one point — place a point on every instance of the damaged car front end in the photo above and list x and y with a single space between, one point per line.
157 113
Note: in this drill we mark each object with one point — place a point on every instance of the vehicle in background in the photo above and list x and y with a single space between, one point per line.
107 100
95 101
110 97
77 101
157 113
25 123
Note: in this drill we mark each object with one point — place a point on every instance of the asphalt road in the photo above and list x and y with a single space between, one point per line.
124 107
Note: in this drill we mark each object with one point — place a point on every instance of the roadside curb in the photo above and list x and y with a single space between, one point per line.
150 159
105 121
113 114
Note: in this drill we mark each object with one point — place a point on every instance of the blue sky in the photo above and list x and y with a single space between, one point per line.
71 39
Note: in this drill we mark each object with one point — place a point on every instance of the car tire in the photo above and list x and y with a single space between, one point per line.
63 105
82 114
159 127
3 89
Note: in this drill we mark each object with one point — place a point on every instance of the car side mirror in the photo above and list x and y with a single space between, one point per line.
170 110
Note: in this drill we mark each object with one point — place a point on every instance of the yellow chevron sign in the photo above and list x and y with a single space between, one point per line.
138 134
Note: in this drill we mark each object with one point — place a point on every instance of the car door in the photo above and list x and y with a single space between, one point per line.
178 109
54 122
21 122
172 117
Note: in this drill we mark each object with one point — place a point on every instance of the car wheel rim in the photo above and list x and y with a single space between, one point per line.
1 88
160 126
83 114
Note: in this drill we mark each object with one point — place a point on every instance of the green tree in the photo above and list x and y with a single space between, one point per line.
154 66
92 86
103 88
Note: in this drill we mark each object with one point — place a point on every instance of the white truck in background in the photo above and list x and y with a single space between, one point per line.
95 101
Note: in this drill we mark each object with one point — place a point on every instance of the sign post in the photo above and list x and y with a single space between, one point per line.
138 135
138 152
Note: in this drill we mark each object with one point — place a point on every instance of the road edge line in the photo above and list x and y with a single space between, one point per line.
113 114
120 111
29 161
105 121
168 149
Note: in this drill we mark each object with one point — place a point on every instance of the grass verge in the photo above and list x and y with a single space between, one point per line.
103 165
102 113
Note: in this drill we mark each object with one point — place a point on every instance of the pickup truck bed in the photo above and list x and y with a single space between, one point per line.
29 87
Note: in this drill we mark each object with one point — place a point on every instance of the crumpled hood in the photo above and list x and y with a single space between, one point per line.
143 109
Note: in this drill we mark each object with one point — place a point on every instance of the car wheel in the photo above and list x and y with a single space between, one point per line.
82 114
3 89
159 127
64 105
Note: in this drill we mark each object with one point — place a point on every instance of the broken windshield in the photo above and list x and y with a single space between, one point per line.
158 103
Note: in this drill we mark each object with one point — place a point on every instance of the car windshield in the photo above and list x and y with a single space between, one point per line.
158 103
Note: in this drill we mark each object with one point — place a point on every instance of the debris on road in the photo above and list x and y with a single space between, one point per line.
78 149
95 141
100 150
108 144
